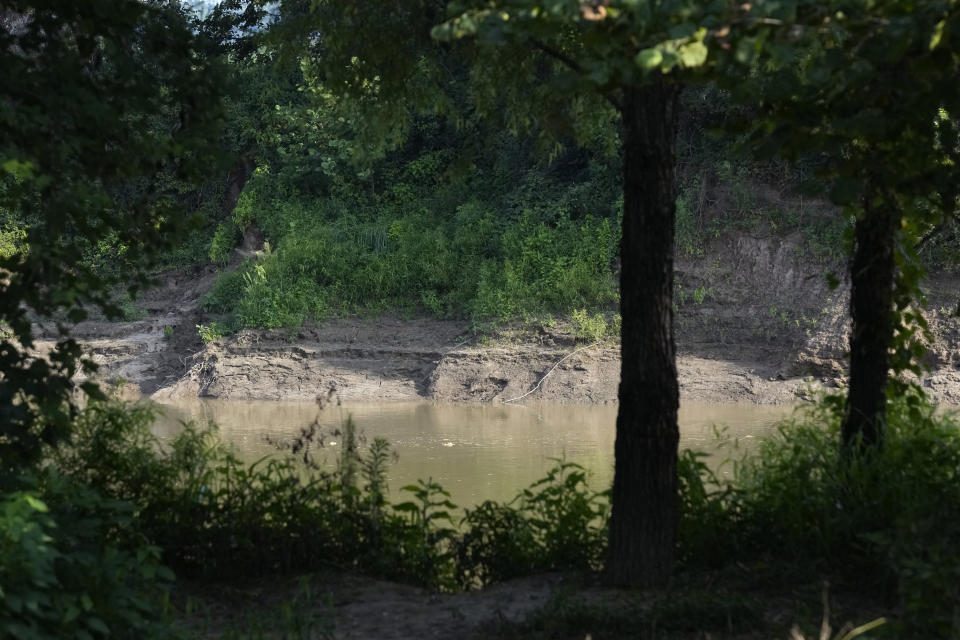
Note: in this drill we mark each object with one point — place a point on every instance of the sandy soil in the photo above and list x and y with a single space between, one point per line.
755 323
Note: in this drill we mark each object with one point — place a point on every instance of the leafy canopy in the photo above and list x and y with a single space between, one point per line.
103 104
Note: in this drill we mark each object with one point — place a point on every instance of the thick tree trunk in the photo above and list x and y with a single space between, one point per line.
644 518
872 273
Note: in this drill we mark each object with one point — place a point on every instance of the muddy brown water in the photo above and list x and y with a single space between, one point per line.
477 452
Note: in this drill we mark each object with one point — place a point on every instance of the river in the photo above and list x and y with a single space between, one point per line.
476 452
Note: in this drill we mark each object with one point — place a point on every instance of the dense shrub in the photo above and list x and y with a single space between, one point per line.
888 518
211 513
215 515
225 238
557 523
471 265
73 566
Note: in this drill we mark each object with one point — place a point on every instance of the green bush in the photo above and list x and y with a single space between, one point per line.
557 523
889 518
589 328
71 568
12 240
215 515
226 290
210 332
421 263
421 244
226 237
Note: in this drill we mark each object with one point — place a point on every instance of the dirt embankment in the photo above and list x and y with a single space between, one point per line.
756 323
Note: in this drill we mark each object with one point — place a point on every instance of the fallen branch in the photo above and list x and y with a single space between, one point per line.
551 371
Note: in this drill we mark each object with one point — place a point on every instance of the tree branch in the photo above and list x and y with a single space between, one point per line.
571 64
952 217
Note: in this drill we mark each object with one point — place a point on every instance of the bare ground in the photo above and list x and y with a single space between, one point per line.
756 323
740 604
358 608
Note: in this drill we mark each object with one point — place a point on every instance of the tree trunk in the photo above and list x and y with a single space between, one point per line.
872 273
643 523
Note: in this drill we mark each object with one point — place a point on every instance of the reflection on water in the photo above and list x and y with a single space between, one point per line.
475 451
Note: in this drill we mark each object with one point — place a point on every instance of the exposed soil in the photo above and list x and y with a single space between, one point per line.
756 323
349 607
358 608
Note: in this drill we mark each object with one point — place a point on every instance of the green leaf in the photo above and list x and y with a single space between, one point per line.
649 59
693 54
937 34
98 625
22 170
36 505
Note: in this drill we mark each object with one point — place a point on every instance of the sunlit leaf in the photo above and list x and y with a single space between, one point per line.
649 59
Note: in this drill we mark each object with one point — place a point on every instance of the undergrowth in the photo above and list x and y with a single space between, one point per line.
887 519
214 515
795 510
472 264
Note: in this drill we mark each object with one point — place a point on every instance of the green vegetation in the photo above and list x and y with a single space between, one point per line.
794 510
72 567
800 504
494 160
214 515
510 235
207 333
107 113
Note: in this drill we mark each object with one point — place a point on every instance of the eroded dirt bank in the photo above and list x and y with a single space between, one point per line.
755 323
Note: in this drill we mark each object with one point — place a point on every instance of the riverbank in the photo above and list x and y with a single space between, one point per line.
756 323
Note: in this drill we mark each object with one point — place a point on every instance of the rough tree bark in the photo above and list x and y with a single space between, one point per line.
644 518
872 273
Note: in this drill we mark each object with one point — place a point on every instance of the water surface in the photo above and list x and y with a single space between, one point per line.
476 452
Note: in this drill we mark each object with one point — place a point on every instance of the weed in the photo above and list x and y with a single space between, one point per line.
556 523
589 328
130 311
476 264
226 237
211 332
700 294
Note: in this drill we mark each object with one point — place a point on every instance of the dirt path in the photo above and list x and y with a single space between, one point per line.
359 608
755 323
